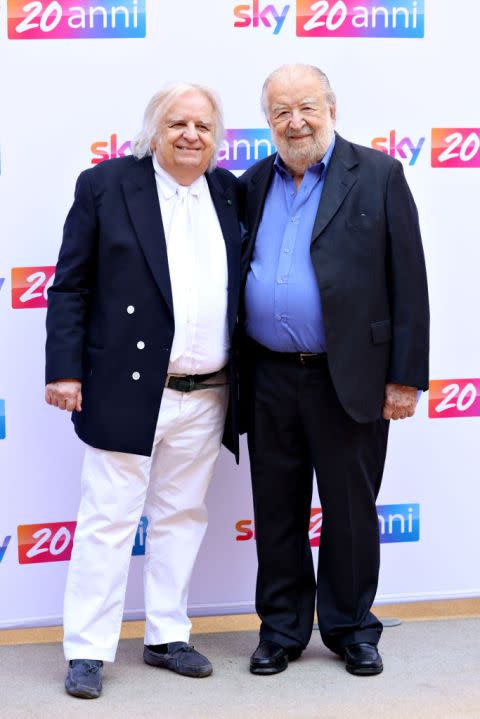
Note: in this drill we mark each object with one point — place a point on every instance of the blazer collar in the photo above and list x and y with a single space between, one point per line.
338 182
224 204
259 184
141 197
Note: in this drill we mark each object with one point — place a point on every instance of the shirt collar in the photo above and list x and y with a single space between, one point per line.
319 168
168 185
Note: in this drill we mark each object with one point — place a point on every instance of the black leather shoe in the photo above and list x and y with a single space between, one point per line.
271 658
84 678
362 659
179 657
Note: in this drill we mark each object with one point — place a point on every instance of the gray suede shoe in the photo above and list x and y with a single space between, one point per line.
84 678
181 658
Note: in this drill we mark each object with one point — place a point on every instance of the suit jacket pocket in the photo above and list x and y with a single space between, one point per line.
381 331
361 221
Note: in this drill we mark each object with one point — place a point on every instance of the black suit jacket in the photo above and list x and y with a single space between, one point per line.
114 256
367 254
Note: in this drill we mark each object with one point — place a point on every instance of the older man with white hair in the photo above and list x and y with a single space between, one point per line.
139 329
336 320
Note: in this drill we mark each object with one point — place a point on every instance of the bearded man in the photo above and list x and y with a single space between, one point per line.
336 323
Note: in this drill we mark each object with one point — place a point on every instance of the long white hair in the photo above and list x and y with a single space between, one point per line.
156 110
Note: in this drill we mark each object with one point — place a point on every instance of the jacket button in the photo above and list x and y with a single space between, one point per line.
136 375
141 345
130 309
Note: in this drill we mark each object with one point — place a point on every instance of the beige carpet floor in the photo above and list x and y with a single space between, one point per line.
432 671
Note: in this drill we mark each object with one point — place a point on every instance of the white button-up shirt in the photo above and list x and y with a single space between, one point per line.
201 313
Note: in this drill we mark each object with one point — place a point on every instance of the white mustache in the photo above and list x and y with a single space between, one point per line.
299 133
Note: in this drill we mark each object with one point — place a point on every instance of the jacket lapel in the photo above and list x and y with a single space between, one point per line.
255 200
141 197
224 203
338 183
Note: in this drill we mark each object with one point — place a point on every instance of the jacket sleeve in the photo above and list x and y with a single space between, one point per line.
407 286
68 298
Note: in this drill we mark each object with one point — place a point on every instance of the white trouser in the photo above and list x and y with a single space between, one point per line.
113 494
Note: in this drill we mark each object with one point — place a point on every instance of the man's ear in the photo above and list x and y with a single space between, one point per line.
333 112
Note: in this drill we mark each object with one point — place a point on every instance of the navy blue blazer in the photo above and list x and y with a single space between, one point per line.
114 258
367 253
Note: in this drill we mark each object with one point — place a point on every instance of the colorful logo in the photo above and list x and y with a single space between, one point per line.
454 398
4 546
109 149
45 542
456 147
53 541
256 15
75 19
242 148
2 280
3 425
405 149
239 150
396 522
140 538
390 18
30 286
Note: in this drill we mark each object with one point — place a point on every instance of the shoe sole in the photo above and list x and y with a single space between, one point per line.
195 673
367 671
82 693
265 671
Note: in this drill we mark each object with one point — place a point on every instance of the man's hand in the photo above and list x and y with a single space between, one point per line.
400 401
65 394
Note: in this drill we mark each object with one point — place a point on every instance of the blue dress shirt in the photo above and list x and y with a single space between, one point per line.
282 300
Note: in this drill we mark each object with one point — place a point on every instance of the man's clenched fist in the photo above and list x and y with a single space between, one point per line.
400 401
65 394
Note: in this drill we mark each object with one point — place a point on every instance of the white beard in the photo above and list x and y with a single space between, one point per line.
299 159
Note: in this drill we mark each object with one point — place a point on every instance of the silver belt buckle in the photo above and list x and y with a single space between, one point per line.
304 355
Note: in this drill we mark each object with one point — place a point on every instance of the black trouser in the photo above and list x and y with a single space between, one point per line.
296 425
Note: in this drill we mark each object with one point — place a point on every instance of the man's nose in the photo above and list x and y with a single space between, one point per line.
297 120
190 133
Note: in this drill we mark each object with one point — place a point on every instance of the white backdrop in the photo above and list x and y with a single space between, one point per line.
68 99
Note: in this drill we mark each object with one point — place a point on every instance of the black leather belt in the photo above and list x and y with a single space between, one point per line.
301 358
191 382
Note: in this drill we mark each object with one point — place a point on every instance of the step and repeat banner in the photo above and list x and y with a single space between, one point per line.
75 78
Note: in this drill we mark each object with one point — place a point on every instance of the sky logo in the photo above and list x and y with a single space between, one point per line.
449 398
398 522
2 280
80 19
456 147
109 149
258 15
404 149
242 148
3 547
390 18
246 530
3 426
